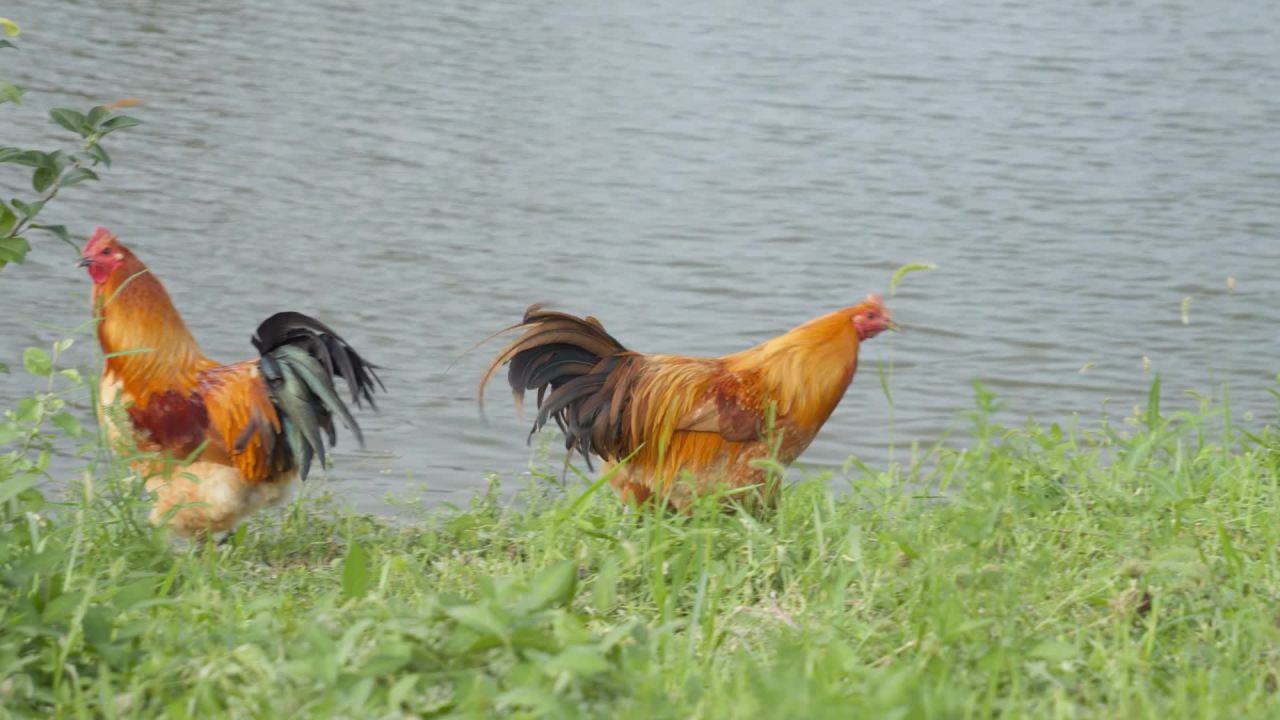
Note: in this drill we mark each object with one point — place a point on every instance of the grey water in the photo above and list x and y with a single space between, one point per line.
700 176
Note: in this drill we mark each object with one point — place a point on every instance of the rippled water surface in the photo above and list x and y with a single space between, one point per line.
700 176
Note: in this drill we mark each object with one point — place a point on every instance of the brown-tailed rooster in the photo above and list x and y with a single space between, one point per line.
247 429
685 425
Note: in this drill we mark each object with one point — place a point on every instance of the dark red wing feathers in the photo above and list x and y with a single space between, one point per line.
738 410
174 422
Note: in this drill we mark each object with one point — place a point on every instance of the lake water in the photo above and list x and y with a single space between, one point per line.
700 176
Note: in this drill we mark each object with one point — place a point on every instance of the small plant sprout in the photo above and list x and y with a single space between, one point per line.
906 270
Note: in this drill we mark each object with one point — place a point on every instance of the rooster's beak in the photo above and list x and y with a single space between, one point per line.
84 262
894 326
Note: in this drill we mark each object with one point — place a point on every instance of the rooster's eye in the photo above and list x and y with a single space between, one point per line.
105 251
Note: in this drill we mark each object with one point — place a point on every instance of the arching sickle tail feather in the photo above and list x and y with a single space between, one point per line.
300 358
582 374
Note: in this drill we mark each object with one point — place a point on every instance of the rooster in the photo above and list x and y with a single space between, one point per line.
681 427
218 442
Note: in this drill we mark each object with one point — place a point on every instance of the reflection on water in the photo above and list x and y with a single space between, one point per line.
701 177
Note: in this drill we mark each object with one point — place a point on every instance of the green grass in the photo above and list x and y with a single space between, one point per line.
1125 569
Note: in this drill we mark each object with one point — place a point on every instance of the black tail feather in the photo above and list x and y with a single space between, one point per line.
300 358
322 343
581 373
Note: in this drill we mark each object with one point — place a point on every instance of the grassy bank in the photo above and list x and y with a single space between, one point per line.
1124 570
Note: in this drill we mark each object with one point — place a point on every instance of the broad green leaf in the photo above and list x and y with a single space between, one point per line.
553 586
9 432
57 160
77 176
7 44
30 158
10 93
72 120
135 593
28 410
579 660
540 701
1055 651
618 634
479 619
908 550
401 690
37 362
13 486
14 249
355 572
119 122
58 230
9 27
97 625
346 647
7 220
28 210
68 423
43 178
96 115
63 345
906 270
8 154
386 663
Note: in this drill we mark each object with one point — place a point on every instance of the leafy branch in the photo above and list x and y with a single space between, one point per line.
52 170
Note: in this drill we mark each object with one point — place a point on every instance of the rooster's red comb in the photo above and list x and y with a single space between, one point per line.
100 235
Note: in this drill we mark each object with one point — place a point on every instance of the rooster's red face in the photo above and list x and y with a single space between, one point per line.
871 318
102 255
